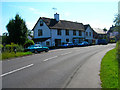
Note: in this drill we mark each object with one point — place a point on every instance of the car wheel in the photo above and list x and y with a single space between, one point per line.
36 51
46 50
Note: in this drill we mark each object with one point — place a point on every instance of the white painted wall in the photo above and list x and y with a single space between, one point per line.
90 38
63 36
53 34
45 30
89 30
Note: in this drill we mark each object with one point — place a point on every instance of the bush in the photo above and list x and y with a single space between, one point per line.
20 48
11 47
118 50
28 43
6 55
1 46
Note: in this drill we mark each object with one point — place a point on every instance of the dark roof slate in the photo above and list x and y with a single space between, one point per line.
62 24
86 26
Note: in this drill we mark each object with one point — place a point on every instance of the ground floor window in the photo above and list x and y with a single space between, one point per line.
67 40
47 43
57 42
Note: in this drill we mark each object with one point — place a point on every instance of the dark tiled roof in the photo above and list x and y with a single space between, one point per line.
85 26
62 24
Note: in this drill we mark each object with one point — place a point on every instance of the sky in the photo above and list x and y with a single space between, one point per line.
97 13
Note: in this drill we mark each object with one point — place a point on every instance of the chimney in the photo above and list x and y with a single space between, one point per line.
56 16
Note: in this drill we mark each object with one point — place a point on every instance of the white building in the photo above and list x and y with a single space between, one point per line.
88 33
53 32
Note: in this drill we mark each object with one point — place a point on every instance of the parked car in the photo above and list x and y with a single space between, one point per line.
84 43
102 41
65 45
37 48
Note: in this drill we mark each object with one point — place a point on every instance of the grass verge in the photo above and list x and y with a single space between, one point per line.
7 55
109 70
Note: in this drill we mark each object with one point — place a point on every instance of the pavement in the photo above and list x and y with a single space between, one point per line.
76 67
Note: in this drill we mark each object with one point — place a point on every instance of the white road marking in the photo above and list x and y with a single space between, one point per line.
57 50
66 53
16 70
50 58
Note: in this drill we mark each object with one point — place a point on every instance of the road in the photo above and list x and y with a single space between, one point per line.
76 67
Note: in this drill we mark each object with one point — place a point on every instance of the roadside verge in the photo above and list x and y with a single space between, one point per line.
109 70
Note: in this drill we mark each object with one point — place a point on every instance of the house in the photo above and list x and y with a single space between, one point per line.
93 34
112 33
99 34
89 34
54 32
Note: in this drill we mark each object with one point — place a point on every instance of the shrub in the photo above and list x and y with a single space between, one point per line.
118 51
1 46
11 47
20 48
28 43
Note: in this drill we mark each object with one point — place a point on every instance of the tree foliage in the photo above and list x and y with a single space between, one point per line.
117 25
105 30
117 22
17 30
28 43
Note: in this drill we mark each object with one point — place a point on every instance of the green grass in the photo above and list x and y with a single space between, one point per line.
7 55
109 70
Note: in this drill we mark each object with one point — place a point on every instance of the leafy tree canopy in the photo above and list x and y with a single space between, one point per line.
117 22
17 30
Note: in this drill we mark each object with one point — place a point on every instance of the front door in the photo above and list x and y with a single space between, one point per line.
57 42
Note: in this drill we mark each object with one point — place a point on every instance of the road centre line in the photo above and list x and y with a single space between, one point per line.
57 50
66 53
50 58
16 70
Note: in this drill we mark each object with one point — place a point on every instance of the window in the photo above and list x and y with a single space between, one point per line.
39 32
67 32
58 32
47 43
90 33
74 32
86 33
80 33
67 40
41 22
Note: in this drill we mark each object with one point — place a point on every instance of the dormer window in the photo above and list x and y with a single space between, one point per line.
41 22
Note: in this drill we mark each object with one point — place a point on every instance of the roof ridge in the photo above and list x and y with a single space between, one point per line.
71 21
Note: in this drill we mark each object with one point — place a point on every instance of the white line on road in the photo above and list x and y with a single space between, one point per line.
16 70
50 58
66 53
57 50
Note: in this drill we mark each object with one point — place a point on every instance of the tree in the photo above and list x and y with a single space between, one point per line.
105 30
117 24
5 39
17 30
28 43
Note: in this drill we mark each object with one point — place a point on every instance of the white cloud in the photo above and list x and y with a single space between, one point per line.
32 9
67 14
36 11
30 25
